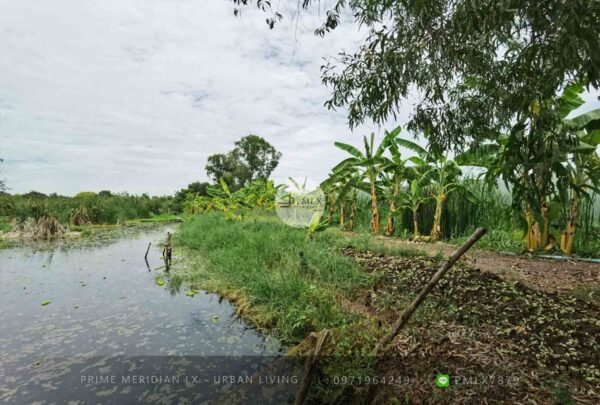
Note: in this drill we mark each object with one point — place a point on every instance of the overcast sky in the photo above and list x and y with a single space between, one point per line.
133 95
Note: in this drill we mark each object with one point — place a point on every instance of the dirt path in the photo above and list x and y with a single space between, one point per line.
543 274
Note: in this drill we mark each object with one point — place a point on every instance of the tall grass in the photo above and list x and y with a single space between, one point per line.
291 283
100 208
492 210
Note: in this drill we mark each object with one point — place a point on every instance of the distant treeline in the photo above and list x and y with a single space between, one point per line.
103 207
251 159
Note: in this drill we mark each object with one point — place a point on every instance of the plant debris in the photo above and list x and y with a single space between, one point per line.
476 320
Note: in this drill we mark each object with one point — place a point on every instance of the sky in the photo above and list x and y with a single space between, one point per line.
134 95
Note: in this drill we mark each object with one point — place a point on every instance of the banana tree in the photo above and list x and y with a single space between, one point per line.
582 172
412 199
370 165
330 200
519 175
259 193
393 177
341 187
538 165
584 176
442 174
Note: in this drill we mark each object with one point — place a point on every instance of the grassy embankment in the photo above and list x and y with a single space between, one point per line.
277 277
474 324
284 283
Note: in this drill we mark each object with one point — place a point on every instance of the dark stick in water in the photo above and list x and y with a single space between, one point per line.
146 256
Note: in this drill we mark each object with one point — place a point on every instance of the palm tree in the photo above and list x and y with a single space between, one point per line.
370 165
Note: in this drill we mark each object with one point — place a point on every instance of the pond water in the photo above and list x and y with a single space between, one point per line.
108 333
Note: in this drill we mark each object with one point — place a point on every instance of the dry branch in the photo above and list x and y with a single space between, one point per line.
408 312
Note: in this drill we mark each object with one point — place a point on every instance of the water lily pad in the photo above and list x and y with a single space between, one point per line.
45 302
160 281
191 293
216 318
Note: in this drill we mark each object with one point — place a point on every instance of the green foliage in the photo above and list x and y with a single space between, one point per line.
98 208
317 224
2 182
5 224
196 188
252 158
546 171
261 260
478 66
259 193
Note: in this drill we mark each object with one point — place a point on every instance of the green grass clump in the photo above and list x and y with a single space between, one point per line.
497 240
288 283
5 225
366 242
155 219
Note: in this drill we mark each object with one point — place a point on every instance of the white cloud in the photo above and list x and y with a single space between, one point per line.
133 95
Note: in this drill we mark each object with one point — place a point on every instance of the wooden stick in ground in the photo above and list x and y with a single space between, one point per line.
311 360
408 312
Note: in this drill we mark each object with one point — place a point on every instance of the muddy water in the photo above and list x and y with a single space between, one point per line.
108 333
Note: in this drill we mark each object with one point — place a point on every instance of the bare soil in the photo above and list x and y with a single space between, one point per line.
538 273
498 339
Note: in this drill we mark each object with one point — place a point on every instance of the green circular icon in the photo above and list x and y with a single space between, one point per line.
442 380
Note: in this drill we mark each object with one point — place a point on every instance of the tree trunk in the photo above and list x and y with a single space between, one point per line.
437 219
342 215
416 234
533 231
352 215
375 210
566 239
389 227
545 228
